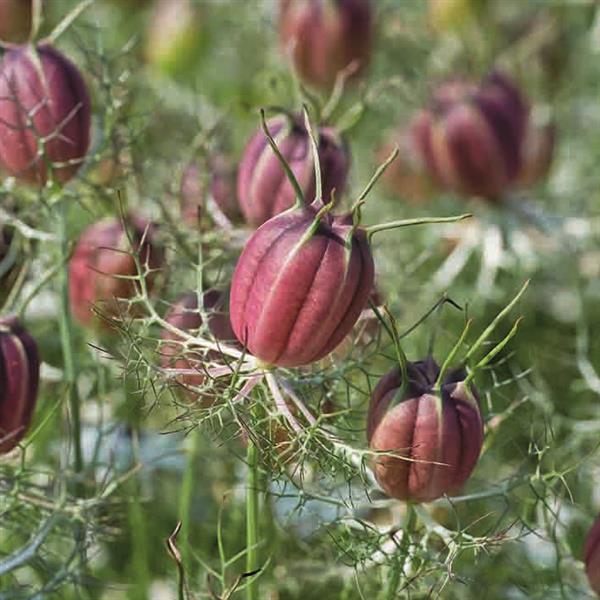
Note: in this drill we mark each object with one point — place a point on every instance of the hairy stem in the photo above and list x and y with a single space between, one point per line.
397 571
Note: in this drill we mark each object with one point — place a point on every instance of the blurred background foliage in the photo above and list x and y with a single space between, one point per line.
162 96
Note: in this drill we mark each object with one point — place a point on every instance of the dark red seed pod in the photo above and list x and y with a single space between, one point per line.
300 286
102 265
15 20
324 37
433 438
214 180
184 315
19 379
471 139
263 189
44 104
592 556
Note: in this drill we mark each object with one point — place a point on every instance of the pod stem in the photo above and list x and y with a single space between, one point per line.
400 355
252 502
490 328
287 169
373 229
66 337
315 154
397 571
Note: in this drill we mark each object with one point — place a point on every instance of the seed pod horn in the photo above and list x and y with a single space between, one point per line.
19 378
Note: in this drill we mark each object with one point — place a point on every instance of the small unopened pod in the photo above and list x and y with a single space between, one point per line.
103 274
210 180
15 20
19 379
300 285
44 114
177 353
592 556
472 136
262 187
429 439
323 37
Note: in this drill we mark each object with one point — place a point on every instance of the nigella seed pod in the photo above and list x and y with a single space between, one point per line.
324 37
102 267
471 138
537 152
263 189
44 114
211 180
19 379
592 556
15 20
429 439
300 285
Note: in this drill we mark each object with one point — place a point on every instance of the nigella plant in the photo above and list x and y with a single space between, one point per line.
19 378
592 556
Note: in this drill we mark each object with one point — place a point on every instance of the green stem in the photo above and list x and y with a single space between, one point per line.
373 229
66 337
397 572
187 496
252 519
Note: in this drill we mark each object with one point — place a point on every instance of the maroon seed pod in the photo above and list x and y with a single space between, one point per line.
217 175
300 285
185 316
592 556
19 378
262 187
325 36
15 20
471 138
431 440
44 103
101 263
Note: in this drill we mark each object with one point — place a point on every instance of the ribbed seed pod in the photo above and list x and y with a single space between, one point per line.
325 36
15 20
102 265
430 441
592 556
263 189
44 106
300 286
214 179
471 138
19 379
185 316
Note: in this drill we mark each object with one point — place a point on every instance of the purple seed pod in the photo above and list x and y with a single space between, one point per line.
325 36
19 379
471 138
15 20
185 316
44 105
300 285
102 265
592 556
537 152
214 179
263 189
431 439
